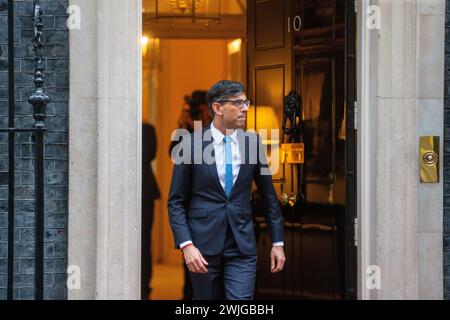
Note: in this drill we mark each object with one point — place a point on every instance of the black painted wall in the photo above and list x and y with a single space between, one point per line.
446 248
56 149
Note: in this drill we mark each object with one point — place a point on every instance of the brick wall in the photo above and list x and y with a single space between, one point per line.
56 149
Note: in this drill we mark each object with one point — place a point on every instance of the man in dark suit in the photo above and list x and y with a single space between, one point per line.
150 193
209 202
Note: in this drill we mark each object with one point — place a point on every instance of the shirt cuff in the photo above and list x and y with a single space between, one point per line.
184 244
278 244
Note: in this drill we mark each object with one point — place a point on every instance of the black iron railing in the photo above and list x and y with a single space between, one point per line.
39 100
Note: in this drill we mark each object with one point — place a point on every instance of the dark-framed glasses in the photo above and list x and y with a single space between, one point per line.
238 103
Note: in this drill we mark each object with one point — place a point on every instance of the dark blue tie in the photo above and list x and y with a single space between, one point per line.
228 166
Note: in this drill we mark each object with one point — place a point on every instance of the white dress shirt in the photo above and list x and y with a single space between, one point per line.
219 155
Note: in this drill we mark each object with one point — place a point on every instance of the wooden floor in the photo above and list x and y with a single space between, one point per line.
167 282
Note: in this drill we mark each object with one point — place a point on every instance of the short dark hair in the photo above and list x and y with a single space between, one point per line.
195 100
223 89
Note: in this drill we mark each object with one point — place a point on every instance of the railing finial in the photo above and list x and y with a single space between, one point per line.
38 99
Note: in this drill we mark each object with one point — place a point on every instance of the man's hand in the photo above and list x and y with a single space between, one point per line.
194 260
277 259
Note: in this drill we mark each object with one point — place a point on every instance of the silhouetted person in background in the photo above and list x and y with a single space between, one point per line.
150 193
196 109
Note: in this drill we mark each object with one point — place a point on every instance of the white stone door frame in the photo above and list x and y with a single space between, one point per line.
105 155
364 161
400 80
105 138
105 150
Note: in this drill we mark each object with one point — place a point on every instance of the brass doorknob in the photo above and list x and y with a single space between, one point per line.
430 158
292 199
284 199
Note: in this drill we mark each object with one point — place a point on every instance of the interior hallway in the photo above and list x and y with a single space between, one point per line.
167 282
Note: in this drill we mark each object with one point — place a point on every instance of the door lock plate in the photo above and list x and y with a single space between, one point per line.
429 159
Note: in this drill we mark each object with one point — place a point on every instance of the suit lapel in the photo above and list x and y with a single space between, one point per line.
243 149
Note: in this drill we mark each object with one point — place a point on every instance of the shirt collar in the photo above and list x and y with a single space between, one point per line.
218 136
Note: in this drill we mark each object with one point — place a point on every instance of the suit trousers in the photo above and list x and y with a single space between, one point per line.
230 275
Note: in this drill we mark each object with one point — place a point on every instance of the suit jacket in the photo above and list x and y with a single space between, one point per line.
199 209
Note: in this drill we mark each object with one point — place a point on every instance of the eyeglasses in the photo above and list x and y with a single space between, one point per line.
238 103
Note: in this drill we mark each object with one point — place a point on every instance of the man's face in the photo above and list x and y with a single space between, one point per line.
235 116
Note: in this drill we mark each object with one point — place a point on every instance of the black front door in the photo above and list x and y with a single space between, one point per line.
308 46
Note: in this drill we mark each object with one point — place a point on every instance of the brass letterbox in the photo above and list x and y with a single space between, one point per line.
292 153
